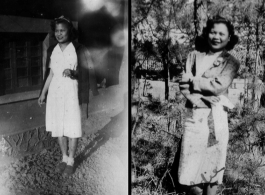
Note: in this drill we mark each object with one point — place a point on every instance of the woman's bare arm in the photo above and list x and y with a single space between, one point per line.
47 83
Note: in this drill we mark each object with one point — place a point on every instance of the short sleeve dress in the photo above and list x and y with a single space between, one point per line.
63 112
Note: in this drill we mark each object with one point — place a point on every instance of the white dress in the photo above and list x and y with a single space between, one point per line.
63 112
198 162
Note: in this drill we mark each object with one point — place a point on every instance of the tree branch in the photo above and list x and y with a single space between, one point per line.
145 16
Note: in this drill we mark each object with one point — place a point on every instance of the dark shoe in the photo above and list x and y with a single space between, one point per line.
68 171
195 190
60 167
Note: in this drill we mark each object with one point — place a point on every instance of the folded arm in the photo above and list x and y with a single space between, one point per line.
185 84
195 99
217 85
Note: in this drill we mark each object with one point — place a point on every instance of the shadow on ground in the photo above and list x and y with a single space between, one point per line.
113 129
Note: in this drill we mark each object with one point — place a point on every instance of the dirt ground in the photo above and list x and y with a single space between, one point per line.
101 166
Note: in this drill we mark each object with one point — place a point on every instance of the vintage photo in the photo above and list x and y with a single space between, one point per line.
64 97
197 97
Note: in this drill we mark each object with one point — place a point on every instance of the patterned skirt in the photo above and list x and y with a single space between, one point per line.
199 162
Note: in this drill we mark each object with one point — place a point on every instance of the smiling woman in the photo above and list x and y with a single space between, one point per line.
218 37
63 112
219 34
208 73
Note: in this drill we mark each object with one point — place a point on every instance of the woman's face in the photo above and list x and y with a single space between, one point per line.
218 37
61 33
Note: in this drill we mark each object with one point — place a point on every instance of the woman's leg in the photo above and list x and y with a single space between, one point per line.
211 189
69 170
63 146
72 146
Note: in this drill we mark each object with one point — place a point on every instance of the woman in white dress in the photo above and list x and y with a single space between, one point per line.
63 113
208 73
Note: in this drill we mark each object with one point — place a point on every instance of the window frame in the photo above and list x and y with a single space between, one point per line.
13 38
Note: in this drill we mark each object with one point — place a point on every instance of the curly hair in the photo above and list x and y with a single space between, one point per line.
72 32
201 40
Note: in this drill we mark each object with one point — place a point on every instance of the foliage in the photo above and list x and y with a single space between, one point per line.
171 23
154 144
245 158
152 26
164 32
154 147
152 31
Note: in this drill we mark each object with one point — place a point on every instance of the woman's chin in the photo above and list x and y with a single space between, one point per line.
216 48
62 41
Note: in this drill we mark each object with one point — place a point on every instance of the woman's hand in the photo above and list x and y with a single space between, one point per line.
186 77
67 73
41 100
211 99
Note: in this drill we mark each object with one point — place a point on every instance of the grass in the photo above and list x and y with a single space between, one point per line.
155 143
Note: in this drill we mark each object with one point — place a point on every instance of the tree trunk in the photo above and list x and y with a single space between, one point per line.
200 15
147 68
256 90
195 17
248 48
166 80
165 74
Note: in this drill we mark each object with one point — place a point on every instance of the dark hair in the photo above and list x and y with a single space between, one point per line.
72 32
201 40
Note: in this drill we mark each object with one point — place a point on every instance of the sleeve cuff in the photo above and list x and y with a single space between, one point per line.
196 84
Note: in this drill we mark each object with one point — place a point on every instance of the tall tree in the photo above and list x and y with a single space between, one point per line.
200 15
159 18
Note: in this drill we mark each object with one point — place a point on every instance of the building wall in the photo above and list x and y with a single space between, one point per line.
23 24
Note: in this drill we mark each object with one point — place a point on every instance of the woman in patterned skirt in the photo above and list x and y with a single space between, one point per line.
209 72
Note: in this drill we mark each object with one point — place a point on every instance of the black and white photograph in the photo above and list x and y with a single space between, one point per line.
64 73
197 97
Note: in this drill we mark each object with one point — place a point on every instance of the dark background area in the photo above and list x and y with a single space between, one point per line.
47 9
94 27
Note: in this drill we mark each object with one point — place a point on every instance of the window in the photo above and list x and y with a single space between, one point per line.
20 65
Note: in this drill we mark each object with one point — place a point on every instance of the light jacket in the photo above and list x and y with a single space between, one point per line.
214 81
